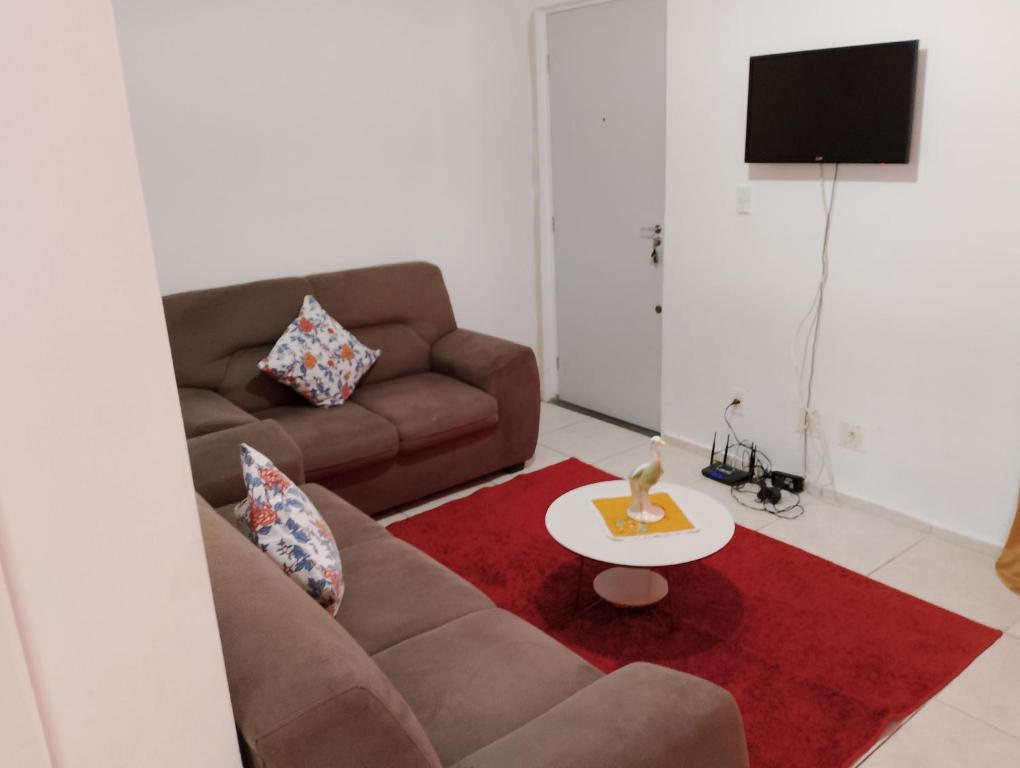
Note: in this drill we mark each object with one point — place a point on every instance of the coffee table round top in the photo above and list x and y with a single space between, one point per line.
573 521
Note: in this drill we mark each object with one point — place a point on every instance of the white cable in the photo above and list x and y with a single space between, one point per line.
814 434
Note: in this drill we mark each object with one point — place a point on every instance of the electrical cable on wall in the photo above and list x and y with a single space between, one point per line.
742 448
804 349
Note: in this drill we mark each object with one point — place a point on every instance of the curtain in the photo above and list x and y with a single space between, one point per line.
1008 565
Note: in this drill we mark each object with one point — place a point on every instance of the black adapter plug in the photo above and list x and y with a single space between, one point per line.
769 495
787 481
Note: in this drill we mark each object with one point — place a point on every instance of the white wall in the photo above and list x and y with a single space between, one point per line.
276 140
22 742
279 138
99 537
920 340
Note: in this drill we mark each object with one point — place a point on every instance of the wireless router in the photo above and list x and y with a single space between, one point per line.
722 472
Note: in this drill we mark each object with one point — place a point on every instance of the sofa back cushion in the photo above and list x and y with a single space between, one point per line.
218 335
303 691
401 309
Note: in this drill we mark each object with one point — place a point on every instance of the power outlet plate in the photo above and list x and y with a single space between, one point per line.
851 437
736 393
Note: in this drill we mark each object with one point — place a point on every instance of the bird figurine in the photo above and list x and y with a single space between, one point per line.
642 478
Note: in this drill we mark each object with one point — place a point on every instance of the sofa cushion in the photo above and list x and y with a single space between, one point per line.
338 438
216 470
246 386
206 327
639 715
478 678
292 669
318 358
395 591
403 351
349 524
284 523
412 294
429 408
205 411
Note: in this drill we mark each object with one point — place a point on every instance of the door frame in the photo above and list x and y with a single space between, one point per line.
548 340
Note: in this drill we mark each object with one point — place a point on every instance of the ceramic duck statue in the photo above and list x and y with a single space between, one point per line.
642 478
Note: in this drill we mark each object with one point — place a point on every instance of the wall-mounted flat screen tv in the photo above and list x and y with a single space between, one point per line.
837 105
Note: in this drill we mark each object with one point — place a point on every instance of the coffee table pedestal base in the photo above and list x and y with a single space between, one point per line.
630 587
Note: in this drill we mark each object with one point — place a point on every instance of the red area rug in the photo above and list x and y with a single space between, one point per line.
819 658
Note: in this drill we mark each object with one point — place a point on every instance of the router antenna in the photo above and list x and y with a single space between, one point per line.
711 459
726 453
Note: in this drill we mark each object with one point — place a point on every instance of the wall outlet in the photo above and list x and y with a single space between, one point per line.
851 437
736 393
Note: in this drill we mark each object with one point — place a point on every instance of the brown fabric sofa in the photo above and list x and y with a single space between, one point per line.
442 405
421 669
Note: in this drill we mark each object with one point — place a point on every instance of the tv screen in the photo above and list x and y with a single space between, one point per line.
837 105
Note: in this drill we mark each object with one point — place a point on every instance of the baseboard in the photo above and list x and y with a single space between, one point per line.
866 505
688 445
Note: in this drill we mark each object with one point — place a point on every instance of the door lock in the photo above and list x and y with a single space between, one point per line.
656 242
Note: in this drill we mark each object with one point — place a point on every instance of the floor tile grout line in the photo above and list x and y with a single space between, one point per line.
556 429
581 420
974 717
899 554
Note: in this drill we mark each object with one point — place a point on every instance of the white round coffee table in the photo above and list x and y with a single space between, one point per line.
573 521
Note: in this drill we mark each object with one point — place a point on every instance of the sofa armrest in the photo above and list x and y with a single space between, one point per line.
205 411
508 372
476 358
216 460
641 714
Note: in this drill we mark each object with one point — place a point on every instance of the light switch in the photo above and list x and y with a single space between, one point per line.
744 199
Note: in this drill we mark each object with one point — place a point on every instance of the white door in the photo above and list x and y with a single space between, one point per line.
607 93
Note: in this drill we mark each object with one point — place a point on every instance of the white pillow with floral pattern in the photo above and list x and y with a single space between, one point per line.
318 358
282 521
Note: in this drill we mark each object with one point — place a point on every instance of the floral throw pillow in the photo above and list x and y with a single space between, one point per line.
283 523
318 358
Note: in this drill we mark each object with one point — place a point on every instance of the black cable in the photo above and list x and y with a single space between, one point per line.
765 465
772 509
726 418
746 445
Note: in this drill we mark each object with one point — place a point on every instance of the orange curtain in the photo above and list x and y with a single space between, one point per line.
1008 565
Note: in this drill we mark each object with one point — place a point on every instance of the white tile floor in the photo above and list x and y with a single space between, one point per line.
975 721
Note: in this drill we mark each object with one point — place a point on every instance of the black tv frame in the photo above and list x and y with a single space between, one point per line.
820 159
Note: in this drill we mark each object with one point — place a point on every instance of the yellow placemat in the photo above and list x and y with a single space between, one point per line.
621 526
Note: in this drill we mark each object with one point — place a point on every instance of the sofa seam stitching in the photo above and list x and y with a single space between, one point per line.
436 628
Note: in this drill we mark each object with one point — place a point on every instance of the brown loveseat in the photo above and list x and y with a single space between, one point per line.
442 405
420 669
